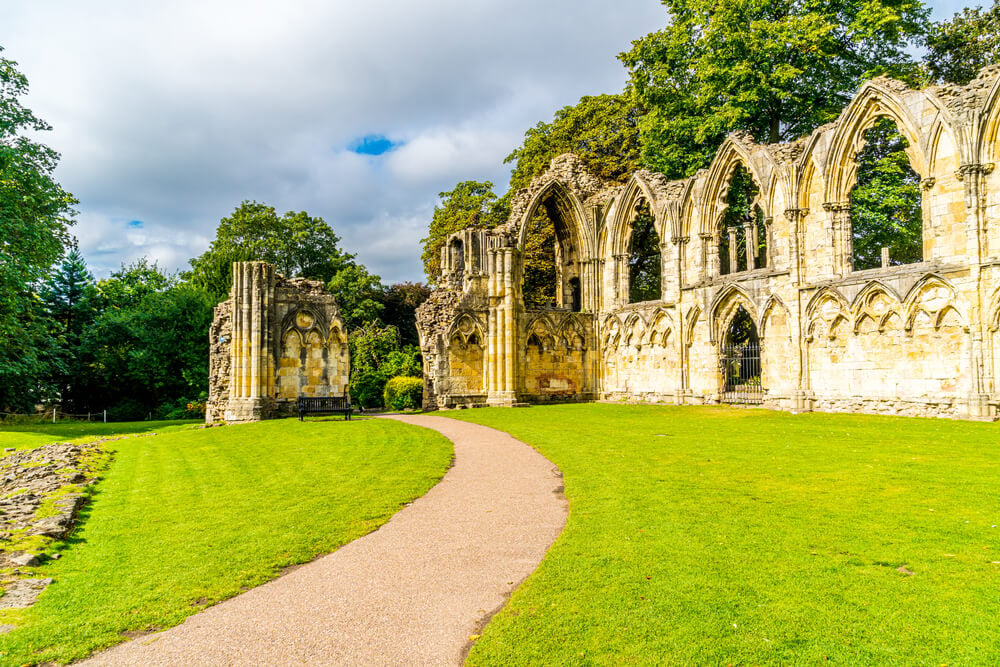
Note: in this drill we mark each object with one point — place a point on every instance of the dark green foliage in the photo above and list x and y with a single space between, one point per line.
539 264
886 202
777 69
35 213
602 130
376 356
359 295
403 393
400 303
71 303
958 48
644 263
469 204
147 348
297 244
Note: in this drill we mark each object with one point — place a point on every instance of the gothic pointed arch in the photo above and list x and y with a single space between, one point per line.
929 299
724 307
878 98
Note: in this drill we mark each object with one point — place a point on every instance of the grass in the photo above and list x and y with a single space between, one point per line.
191 517
26 435
734 536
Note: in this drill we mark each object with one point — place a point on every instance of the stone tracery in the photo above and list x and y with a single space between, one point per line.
917 338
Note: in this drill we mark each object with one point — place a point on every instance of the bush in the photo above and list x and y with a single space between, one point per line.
403 393
376 356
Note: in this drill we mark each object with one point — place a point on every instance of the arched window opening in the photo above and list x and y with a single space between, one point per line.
457 256
550 275
644 262
740 362
575 301
742 232
539 271
886 217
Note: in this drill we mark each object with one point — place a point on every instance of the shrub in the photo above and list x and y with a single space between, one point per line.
402 392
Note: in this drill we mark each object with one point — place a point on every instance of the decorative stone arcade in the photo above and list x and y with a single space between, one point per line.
920 338
273 340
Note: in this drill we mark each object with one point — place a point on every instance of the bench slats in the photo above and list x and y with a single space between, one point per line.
324 405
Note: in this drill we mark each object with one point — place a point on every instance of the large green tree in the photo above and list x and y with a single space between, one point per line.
958 48
469 204
603 130
776 68
297 244
35 213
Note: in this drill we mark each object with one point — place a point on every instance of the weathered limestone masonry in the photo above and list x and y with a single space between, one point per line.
274 340
915 339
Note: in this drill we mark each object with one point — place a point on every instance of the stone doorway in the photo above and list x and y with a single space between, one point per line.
739 362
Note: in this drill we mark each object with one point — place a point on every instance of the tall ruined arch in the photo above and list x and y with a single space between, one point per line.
874 176
633 243
554 242
735 222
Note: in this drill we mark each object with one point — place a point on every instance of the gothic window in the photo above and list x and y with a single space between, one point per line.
644 262
742 231
886 217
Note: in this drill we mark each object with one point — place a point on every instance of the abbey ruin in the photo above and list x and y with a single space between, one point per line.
774 307
273 340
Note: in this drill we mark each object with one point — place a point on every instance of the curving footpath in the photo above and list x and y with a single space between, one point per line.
410 593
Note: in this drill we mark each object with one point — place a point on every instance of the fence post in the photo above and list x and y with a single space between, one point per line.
105 416
53 415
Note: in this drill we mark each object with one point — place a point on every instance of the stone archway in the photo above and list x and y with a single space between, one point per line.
739 361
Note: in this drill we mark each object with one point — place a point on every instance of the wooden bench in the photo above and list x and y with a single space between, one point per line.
324 405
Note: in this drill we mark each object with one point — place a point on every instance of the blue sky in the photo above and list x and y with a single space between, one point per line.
168 115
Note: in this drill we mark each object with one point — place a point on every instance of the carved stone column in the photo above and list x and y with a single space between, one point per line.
973 177
750 238
503 352
734 258
251 384
622 274
840 236
797 233
709 256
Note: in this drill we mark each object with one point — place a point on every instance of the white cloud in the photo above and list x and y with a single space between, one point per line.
172 113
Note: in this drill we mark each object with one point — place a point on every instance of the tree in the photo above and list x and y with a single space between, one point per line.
297 244
775 68
400 303
469 204
70 300
958 48
602 130
359 295
376 357
35 214
147 347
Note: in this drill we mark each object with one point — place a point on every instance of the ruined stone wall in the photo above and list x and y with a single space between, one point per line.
916 339
273 340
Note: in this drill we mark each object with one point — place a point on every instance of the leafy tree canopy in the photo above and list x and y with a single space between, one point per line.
469 204
35 213
602 130
297 244
401 301
359 295
776 68
376 357
958 48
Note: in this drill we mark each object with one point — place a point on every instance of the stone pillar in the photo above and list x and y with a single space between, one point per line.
252 372
769 243
503 350
973 176
840 236
750 237
622 275
734 257
797 234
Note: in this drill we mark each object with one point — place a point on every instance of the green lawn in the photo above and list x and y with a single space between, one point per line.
190 517
34 434
733 536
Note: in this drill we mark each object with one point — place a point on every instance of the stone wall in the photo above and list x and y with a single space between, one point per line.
920 338
273 340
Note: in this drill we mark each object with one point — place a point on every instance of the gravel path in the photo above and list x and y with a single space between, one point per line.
411 593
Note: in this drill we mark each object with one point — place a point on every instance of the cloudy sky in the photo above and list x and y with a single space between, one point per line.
169 114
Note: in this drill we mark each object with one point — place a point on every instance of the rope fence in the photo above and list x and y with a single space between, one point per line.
55 414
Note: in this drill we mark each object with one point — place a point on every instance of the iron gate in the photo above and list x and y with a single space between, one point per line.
740 365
